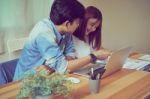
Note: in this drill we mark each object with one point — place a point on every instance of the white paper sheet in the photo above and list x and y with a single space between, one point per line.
145 57
135 64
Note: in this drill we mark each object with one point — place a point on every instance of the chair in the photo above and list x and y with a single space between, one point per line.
15 46
7 70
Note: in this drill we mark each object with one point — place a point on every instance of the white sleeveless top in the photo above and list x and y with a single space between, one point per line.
82 48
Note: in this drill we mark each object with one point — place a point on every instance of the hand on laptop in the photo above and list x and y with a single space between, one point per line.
102 54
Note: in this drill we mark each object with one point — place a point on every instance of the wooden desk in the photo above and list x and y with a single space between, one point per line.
124 84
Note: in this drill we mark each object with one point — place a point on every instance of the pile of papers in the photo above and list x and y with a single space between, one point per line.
137 64
145 58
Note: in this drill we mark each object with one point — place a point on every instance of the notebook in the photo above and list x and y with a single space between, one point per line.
114 63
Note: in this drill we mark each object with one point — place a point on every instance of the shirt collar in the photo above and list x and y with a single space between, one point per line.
56 32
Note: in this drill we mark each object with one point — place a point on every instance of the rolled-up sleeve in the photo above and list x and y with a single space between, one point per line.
51 52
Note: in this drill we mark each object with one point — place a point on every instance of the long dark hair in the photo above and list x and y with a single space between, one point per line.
94 37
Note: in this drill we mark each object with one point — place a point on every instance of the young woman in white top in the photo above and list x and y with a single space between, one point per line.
87 38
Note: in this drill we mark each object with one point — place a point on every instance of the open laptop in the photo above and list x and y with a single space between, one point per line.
114 63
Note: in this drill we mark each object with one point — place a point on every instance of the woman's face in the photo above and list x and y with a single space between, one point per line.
92 25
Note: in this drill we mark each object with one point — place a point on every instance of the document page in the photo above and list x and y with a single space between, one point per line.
145 57
135 64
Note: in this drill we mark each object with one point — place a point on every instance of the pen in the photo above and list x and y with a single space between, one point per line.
92 74
92 71
98 76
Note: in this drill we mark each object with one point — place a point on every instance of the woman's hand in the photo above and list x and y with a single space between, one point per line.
102 54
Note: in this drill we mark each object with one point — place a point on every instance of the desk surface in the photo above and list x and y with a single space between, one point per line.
124 84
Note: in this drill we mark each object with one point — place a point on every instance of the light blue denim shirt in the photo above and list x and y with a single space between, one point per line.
45 44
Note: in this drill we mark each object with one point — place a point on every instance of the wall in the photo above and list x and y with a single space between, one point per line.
125 22
18 17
